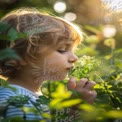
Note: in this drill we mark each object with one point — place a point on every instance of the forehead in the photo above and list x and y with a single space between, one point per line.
65 42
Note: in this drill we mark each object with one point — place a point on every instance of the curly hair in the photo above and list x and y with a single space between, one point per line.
41 30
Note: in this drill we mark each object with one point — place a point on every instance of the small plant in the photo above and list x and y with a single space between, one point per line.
84 67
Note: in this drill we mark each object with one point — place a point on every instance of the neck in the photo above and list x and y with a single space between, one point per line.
29 84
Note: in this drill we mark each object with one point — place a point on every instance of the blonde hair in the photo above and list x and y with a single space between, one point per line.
41 29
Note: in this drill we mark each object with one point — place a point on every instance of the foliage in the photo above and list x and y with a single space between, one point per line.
18 101
84 66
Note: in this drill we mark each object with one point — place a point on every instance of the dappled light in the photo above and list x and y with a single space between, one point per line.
60 7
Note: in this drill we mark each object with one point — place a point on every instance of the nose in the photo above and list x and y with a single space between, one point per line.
73 58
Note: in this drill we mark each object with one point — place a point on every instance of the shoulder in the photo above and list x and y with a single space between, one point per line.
17 107
5 93
10 91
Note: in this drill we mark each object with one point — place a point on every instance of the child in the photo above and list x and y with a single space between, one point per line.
46 54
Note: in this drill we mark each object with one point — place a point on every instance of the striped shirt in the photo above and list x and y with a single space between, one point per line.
10 107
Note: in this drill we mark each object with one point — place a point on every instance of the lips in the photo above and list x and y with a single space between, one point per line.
69 68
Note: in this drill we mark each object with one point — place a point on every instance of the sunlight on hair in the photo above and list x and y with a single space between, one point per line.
60 6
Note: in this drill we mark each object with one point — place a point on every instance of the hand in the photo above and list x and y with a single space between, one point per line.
84 87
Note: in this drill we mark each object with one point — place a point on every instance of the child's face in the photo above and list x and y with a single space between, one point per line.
56 64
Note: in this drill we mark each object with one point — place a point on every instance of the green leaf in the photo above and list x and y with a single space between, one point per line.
21 35
3 26
114 114
43 100
69 103
92 29
61 93
59 104
12 34
4 37
3 82
18 101
8 53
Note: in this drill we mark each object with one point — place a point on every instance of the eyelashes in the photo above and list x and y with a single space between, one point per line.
61 51
65 48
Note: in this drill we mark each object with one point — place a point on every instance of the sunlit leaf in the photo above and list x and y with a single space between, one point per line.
69 103
114 114
61 92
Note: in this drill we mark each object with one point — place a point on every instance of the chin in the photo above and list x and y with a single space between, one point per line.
58 78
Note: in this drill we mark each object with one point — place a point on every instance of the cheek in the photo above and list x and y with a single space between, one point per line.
50 70
57 64
53 67
56 69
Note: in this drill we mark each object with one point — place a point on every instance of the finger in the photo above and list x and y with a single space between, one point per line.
82 83
86 83
88 96
71 85
89 85
92 97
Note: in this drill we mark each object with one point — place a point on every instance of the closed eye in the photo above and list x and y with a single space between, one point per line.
64 48
61 51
